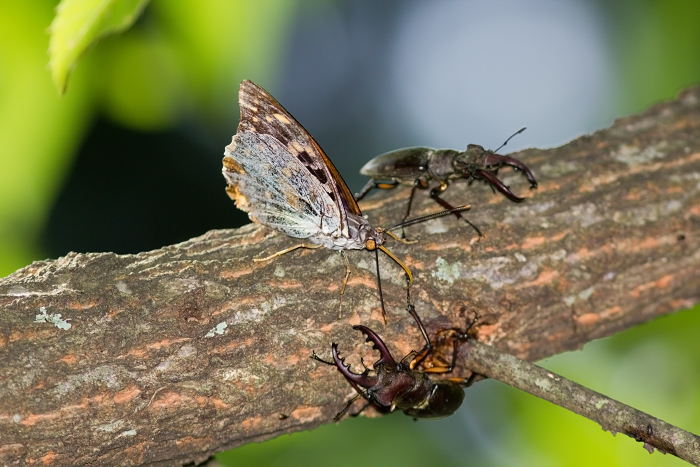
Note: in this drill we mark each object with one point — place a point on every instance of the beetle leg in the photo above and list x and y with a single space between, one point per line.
499 161
422 353
416 183
372 184
435 194
456 336
339 415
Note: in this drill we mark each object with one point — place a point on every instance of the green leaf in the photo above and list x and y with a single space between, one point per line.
79 24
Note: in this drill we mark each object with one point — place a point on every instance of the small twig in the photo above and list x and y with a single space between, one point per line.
612 415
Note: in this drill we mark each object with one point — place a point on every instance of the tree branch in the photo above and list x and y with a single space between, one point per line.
612 415
178 353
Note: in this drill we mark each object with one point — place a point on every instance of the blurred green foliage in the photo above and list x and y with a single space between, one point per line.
79 24
183 60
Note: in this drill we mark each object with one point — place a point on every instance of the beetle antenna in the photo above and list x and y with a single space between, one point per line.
347 406
418 220
510 137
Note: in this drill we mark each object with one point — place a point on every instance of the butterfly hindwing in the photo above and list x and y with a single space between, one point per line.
266 180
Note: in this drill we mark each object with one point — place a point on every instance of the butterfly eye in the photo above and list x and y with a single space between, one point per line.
370 244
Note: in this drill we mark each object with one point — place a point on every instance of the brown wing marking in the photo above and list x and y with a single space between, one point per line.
262 113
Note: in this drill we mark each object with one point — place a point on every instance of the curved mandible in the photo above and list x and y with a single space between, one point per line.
498 184
499 160
384 354
357 380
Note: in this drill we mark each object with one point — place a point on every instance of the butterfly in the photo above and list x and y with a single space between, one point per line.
281 177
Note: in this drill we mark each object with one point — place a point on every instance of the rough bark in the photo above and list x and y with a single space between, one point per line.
148 374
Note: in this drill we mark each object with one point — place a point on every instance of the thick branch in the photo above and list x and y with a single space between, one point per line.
178 353
609 413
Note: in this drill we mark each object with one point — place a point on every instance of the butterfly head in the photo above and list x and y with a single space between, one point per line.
375 239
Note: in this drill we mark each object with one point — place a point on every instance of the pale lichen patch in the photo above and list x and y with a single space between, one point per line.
218 329
53 318
446 272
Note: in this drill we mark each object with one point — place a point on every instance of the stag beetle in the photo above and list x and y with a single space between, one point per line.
400 386
419 166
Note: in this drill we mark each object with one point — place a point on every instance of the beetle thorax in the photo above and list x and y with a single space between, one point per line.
470 160
440 164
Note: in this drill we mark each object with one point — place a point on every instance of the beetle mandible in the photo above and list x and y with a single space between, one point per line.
419 166
397 385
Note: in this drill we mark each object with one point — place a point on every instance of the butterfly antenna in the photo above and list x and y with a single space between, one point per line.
510 137
418 220
379 280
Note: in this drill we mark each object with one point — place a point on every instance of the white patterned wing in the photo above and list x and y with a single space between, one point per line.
271 184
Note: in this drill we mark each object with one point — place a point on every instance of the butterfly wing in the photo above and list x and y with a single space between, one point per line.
280 175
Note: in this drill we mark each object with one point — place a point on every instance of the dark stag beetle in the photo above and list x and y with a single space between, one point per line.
420 166
400 386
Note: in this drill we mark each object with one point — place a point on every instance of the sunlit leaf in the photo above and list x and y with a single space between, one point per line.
79 24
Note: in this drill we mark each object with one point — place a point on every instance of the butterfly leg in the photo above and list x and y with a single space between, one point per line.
310 246
345 281
435 194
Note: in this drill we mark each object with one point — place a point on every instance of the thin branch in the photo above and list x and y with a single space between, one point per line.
168 356
612 415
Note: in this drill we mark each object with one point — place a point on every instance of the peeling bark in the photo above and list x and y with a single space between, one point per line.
175 354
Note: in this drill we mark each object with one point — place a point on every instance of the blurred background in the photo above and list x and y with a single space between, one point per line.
129 159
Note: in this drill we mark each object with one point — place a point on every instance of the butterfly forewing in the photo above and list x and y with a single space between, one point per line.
282 177
261 113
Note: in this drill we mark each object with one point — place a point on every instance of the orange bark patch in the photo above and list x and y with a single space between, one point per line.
139 353
447 245
69 359
235 274
82 306
306 414
487 330
251 423
610 311
545 277
588 319
189 443
218 403
48 458
355 320
660 284
531 242
356 279
649 242
166 343
135 453
125 395
170 400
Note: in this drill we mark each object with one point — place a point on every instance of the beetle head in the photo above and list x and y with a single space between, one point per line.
396 385
476 163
